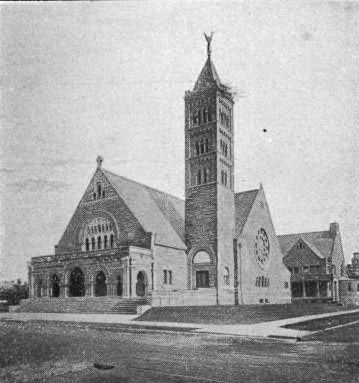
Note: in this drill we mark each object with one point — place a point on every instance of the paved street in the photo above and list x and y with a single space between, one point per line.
63 352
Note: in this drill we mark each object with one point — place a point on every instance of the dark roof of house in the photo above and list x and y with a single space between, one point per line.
157 212
243 203
207 77
163 214
321 242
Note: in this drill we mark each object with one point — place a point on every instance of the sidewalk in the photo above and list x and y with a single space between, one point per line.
264 329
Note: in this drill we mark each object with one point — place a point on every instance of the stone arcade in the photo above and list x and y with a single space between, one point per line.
127 240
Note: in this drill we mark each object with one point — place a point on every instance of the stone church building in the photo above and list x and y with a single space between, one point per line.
127 240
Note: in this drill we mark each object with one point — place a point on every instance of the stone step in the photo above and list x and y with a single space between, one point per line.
112 305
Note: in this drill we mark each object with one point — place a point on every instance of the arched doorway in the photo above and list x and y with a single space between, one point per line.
100 284
201 268
55 286
119 286
141 284
77 283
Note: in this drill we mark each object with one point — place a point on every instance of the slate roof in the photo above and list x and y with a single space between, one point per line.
321 242
156 211
243 203
207 76
163 214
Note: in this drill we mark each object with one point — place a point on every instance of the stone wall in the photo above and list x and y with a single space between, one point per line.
127 229
278 290
201 297
225 202
175 260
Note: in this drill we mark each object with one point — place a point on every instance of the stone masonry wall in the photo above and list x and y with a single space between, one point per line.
278 290
127 229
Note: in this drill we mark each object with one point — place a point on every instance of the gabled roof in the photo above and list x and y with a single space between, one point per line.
321 242
163 214
157 212
243 203
208 76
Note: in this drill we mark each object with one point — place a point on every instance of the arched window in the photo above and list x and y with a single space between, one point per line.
209 114
202 147
206 145
197 148
96 234
199 178
99 190
205 176
111 241
226 276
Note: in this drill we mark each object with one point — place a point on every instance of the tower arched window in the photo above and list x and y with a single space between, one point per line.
206 144
202 147
87 244
99 190
93 243
199 177
105 244
205 175
197 148
99 243
111 241
209 114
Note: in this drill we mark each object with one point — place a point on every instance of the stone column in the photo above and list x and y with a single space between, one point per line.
110 289
44 290
63 292
90 289
304 294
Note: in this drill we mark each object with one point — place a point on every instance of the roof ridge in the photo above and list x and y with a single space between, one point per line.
247 191
141 184
307 232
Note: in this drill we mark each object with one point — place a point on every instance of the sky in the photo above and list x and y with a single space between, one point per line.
88 78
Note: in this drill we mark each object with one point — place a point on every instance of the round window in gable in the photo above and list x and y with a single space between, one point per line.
262 247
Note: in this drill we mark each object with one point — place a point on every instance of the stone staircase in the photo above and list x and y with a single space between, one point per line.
103 305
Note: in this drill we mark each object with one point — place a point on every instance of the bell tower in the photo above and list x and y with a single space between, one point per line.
209 162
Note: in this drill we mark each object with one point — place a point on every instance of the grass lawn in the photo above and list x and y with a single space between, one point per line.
246 314
323 323
347 334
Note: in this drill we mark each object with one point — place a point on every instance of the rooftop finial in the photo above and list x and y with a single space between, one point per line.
99 161
209 40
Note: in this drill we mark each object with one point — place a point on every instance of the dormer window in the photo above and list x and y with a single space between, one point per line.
300 246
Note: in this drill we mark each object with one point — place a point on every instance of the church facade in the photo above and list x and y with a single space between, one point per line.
128 240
